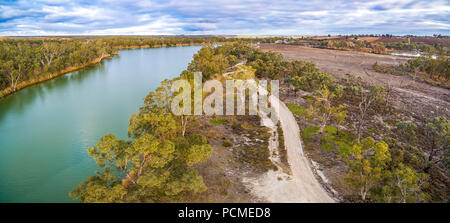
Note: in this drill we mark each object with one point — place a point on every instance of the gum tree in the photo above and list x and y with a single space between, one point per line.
154 166
367 162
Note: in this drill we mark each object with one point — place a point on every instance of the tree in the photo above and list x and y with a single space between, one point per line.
298 67
367 163
437 133
50 51
407 132
409 183
340 115
268 65
312 81
28 59
324 111
367 100
209 63
153 167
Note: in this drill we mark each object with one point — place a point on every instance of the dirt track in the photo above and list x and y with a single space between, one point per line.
419 98
279 187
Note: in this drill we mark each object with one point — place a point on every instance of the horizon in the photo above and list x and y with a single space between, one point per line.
139 18
238 35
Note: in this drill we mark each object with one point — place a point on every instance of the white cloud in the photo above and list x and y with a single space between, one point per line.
224 17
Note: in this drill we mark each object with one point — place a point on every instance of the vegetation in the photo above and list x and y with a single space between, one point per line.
282 151
156 164
392 168
296 109
431 70
378 47
25 61
338 116
227 143
217 121
367 163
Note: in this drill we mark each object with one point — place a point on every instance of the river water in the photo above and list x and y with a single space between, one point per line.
45 129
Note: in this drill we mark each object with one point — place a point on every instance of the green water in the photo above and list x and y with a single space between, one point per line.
45 129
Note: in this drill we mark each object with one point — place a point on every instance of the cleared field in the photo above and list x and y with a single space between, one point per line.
419 98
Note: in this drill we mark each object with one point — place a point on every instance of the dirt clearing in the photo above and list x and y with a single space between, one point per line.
420 98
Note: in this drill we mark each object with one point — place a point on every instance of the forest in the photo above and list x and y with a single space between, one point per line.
25 61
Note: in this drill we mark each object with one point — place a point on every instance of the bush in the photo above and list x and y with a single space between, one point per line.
217 121
296 109
226 143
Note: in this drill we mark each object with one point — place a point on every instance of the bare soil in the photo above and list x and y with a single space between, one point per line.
224 171
422 99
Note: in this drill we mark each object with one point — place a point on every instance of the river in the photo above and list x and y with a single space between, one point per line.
45 129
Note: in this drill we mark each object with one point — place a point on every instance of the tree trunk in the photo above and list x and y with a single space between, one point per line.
363 193
320 133
430 157
358 132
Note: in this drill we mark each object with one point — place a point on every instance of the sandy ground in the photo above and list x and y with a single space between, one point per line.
407 93
277 186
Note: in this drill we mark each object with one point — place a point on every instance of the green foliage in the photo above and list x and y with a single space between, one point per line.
324 111
269 65
408 155
310 132
209 63
217 121
407 132
408 182
146 169
437 132
227 143
197 153
23 60
367 162
425 67
299 68
296 109
403 185
312 81
332 139
242 72
257 157
155 165
382 171
282 151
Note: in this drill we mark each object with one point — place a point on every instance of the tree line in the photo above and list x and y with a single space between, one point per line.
426 68
25 61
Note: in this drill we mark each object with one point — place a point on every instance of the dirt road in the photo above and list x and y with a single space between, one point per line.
276 186
408 94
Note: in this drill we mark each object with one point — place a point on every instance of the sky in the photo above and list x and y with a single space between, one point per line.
232 17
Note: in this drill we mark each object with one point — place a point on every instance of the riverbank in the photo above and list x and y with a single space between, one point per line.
8 91
22 85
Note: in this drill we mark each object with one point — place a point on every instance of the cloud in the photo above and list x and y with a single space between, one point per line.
311 17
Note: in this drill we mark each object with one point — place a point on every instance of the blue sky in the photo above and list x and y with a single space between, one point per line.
274 17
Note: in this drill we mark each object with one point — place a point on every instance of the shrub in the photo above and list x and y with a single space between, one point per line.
226 143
